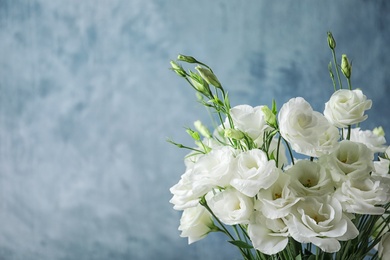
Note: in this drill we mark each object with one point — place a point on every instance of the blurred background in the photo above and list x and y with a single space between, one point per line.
87 102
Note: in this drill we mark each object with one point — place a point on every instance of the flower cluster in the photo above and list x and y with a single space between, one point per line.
244 179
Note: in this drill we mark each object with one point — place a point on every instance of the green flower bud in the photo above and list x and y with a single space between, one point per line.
193 134
199 83
346 66
188 59
208 76
331 41
202 129
178 69
270 117
234 134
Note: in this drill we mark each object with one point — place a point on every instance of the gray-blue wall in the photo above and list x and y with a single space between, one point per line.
87 102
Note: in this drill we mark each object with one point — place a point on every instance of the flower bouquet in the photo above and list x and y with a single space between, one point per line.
291 183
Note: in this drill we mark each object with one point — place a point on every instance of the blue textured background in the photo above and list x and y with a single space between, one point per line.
87 101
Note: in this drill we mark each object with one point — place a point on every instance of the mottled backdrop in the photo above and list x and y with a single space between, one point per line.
87 101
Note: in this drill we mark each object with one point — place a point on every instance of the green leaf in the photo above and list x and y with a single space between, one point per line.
240 244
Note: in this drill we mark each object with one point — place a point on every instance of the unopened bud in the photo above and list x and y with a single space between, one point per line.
208 76
346 66
188 59
234 134
202 129
331 41
193 134
178 69
199 83
269 116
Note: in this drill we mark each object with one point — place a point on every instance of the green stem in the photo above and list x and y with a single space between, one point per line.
277 151
332 76
349 133
337 68
183 146
349 83
289 151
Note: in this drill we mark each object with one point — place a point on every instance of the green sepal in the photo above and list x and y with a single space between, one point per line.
274 108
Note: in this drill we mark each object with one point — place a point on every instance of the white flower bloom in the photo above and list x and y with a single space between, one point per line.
310 179
277 200
347 107
387 153
328 141
183 194
305 129
362 196
381 172
384 247
195 223
375 142
231 206
350 161
269 236
321 221
211 170
254 172
215 168
250 120
382 167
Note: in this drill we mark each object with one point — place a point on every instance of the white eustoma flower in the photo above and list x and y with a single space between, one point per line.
375 142
306 130
382 171
231 206
384 247
382 167
195 223
250 120
387 153
277 200
328 141
346 107
362 196
210 170
269 236
350 161
183 194
321 221
310 179
254 172
215 168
